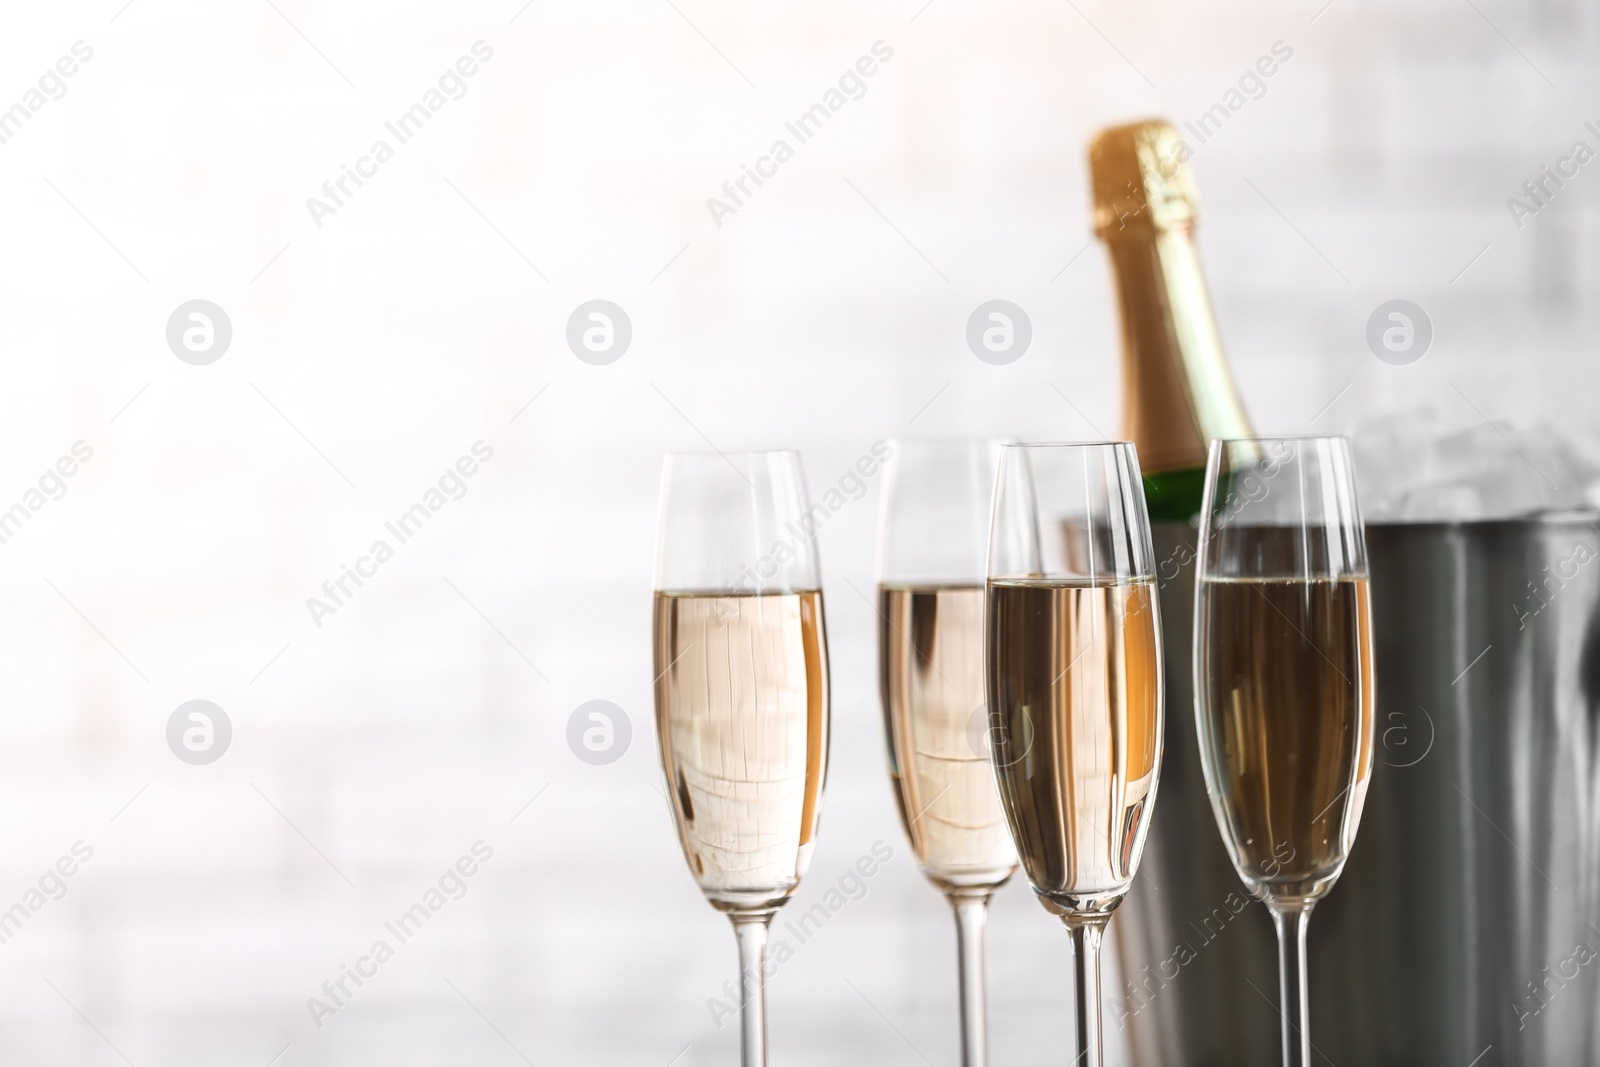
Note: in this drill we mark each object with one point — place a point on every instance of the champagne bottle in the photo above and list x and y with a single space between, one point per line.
1177 393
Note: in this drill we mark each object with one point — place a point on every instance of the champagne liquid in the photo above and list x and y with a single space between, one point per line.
742 715
930 662
1285 717
1075 704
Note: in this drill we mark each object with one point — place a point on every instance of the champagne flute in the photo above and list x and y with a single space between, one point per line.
932 536
1074 686
1283 680
741 691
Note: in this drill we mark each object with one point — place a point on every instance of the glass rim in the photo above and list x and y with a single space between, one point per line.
1067 444
1280 437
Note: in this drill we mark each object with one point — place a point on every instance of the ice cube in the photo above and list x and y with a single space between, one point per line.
1411 470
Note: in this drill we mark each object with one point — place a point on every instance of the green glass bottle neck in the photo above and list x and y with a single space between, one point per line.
1175 496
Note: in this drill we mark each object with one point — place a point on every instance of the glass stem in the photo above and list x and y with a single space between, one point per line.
972 915
751 930
1293 1002
1086 936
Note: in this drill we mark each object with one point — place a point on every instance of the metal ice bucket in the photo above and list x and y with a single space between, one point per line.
1466 927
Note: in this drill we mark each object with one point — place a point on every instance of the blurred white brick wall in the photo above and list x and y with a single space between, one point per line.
374 350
